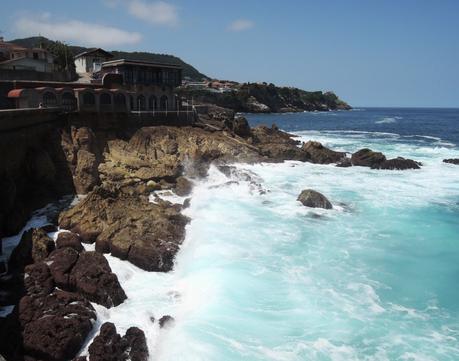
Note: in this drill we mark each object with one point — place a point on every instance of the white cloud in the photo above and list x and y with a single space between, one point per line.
156 13
241 25
80 32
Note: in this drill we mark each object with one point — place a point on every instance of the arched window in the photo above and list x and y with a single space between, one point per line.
49 99
120 99
141 104
131 100
68 102
105 99
152 103
163 103
89 99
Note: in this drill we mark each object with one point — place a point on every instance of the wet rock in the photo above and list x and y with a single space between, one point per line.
38 279
345 163
367 158
187 203
34 246
61 262
320 154
146 234
311 198
92 277
69 239
110 346
48 228
54 326
398 163
451 161
166 321
183 187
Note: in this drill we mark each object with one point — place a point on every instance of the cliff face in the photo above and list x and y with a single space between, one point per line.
267 98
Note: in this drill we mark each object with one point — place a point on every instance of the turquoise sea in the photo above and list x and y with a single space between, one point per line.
261 277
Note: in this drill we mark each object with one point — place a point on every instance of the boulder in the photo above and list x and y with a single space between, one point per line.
320 154
69 239
240 126
92 277
108 345
344 163
451 161
398 163
54 326
367 158
183 187
166 321
34 246
38 279
60 262
311 198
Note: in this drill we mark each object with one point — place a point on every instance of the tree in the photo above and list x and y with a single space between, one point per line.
63 56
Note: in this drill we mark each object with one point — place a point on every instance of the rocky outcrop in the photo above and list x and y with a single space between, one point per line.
451 161
320 154
108 345
34 246
183 187
367 158
399 164
166 321
92 277
313 199
129 227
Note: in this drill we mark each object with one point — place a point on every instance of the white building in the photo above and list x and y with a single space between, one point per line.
91 61
14 57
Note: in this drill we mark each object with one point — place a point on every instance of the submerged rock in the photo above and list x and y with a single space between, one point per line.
166 321
311 198
320 154
451 161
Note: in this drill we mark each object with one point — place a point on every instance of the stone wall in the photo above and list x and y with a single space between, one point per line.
25 74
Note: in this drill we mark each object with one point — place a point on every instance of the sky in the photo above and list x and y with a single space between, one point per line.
369 52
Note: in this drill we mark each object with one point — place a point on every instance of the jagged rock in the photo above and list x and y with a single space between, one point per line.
183 187
92 277
187 203
451 161
320 154
34 246
311 198
367 158
69 239
110 346
132 228
166 321
54 326
240 126
60 262
345 163
38 279
398 163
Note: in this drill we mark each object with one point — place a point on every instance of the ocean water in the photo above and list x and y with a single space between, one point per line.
261 277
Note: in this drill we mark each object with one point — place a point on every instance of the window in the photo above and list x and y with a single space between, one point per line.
35 56
89 99
49 99
68 101
120 99
163 102
152 103
141 103
105 99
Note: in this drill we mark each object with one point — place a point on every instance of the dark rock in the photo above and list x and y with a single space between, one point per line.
320 154
152 319
367 158
49 228
92 277
451 161
240 126
110 346
398 163
345 163
55 326
183 187
38 279
166 321
186 203
60 262
311 198
34 246
69 239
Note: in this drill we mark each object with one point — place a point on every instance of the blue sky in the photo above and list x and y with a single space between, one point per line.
370 52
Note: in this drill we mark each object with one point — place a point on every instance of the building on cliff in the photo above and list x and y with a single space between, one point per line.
91 61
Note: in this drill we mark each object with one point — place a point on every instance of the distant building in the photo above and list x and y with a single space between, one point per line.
91 61
14 57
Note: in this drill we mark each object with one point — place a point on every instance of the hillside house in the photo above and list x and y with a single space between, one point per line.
91 61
